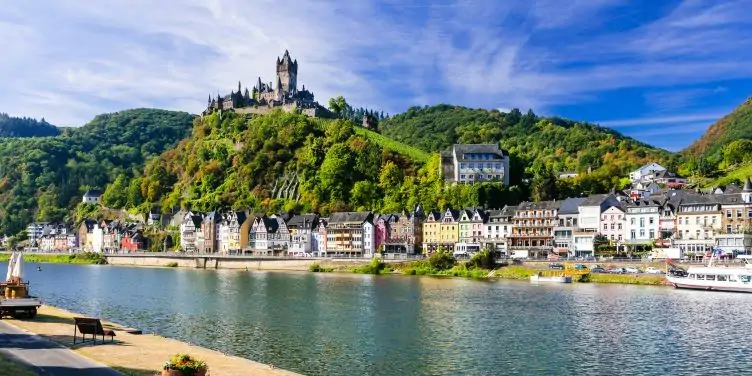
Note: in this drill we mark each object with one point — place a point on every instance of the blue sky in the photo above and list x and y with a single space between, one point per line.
660 71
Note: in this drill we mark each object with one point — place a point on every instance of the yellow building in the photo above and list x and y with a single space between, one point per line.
449 229
431 227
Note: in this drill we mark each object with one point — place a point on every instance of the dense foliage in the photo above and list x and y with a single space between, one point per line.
234 160
25 127
539 147
43 178
735 126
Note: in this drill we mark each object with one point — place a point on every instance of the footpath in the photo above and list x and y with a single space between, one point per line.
130 354
47 357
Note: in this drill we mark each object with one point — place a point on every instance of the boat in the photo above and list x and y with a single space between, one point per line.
39 268
714 278
14 292
540 278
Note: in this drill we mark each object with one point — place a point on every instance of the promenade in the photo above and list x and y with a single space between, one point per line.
46 343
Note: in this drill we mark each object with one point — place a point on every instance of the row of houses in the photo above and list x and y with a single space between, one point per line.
343 233
692 221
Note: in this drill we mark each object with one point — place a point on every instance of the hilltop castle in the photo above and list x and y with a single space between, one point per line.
265 97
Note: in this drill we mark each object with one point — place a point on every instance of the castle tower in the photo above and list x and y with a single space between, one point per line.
287 73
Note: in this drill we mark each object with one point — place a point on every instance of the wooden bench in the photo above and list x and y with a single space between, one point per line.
91 326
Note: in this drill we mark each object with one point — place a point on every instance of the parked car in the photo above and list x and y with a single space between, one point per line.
580 267
598 269
632 270
652 270
556 265
617 271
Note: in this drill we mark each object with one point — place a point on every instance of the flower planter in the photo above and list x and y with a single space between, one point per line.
172 372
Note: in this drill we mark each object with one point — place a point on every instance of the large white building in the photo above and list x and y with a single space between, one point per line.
475 163
643 222
645 172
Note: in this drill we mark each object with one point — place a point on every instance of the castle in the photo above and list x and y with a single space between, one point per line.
266 97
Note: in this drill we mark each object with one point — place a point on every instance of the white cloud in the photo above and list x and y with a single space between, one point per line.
664 120
69 61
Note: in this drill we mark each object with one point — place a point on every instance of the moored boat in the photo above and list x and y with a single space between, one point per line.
714 278
14 292
540 278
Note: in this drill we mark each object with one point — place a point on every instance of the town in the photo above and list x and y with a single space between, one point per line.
656 212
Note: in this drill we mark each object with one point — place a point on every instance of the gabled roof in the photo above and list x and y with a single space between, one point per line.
665 174
571 205
308 221
480 148
93 193
540 205
508 210
455 214
345 217
270 224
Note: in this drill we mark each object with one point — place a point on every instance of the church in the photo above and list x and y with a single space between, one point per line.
266 97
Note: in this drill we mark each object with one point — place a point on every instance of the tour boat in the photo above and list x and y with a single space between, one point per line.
718 278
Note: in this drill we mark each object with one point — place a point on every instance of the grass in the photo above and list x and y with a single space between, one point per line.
738 173
514 272
76 258
12 368
625 279
376 266
396 146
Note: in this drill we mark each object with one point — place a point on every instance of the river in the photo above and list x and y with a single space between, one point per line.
341 324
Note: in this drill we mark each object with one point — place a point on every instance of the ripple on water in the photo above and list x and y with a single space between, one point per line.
323 324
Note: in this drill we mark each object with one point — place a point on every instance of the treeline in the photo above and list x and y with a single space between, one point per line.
25 127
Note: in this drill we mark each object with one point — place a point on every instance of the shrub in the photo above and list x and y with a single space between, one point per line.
186 364
376 266
485 259
316 268
441 260
172 264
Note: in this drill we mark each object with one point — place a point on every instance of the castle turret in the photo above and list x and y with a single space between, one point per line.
747 191
287 73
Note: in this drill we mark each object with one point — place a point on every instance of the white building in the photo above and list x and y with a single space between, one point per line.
472 163
698 223
92 197
645 172
498 227
301 229
613 224
369 238
97 239
643 222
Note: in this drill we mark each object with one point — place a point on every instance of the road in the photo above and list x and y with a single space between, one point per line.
46 357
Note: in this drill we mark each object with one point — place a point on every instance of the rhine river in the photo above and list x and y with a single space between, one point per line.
334 324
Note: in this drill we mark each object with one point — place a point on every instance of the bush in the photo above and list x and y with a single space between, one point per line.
485 259
172 264
441 260
316 268
376 266
186 364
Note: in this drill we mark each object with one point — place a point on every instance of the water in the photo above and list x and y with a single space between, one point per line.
326 324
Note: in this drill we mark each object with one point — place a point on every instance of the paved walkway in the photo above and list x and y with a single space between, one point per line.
46 357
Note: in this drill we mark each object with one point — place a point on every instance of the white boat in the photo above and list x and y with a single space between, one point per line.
715 278
539 278
14 298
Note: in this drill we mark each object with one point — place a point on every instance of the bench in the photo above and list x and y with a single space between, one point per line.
91 326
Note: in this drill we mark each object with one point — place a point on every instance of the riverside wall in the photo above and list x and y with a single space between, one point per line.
219 262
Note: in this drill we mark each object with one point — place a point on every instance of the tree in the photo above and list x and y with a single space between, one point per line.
135 198
390 176
737 152
339 105
544 187
49 206
364 195
116 194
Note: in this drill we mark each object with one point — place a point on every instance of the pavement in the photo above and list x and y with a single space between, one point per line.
47 357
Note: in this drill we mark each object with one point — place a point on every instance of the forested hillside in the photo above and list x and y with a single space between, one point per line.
288 161
43 178
538 145
25 127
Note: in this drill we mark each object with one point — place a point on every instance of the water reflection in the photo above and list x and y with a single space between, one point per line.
325 324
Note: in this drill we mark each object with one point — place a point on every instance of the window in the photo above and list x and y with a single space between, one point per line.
652 234
488 165
728 229
605 226
498 166
642 222
712 220
489 177
704 221
498 177
633 234
632 221
642 233
650 220
612 226
697 220
462 165
462 176
619 226
738 213
749 213
728 213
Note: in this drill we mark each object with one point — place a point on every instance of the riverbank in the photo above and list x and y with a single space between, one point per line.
136 355
89 258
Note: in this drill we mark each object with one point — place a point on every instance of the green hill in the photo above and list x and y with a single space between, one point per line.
25 127
43 178
733 127
537 144
288 161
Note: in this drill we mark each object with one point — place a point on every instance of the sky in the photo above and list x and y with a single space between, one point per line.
659 71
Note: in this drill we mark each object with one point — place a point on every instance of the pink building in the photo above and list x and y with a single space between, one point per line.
382 229
613 224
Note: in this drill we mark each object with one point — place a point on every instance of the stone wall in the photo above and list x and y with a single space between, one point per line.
220 262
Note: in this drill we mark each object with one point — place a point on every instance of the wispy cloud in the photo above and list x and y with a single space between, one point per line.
68 61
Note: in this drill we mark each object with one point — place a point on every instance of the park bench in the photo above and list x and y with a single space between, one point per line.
91 326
